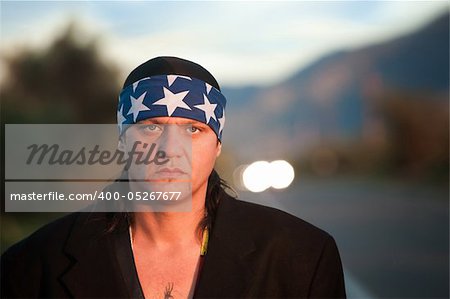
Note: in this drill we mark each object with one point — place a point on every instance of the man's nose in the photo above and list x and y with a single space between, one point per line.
172 142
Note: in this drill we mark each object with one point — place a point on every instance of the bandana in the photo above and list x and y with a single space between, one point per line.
172 95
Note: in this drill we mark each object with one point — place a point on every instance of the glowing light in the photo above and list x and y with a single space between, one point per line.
282 174
255 177
261 175
238 177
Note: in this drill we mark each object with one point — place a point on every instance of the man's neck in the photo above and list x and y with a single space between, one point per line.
164 230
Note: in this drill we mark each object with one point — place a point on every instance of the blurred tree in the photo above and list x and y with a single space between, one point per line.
412 143
419 133
66 83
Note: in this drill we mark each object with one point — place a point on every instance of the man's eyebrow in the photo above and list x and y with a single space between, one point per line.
152 121
161 122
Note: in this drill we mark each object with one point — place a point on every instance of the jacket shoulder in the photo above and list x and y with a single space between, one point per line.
275 217
44 254
51 230
270 223
303 255
50 237
28 256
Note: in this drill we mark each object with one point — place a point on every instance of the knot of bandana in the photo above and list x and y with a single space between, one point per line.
172 95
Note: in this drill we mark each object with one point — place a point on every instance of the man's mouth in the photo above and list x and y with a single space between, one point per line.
171 172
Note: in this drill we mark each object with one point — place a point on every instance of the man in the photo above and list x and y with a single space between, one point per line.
220 248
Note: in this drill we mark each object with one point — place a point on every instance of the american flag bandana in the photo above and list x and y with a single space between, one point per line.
172 95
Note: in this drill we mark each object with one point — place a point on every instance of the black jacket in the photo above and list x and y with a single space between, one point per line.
254 251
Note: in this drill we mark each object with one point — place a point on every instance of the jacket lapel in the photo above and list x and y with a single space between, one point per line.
227 270
94 271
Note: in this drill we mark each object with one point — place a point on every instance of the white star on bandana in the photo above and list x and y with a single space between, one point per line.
137 106
172 78
173 101
120 118
135 84
208 88
222 122
208 108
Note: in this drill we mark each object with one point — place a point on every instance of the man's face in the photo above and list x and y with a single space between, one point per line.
191 148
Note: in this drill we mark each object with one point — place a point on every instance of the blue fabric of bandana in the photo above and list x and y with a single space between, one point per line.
172 95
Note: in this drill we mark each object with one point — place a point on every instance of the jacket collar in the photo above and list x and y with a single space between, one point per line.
226 271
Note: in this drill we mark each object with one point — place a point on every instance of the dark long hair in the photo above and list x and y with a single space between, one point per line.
215 191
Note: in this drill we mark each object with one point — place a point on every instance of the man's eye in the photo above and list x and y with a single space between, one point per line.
151 128
192 129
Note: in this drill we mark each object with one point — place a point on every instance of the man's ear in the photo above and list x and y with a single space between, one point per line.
219 149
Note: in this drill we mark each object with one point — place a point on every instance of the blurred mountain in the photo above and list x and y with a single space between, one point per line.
344 101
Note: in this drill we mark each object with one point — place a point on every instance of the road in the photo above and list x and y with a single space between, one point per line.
393 236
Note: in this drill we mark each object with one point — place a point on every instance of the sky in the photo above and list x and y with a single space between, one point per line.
241 43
